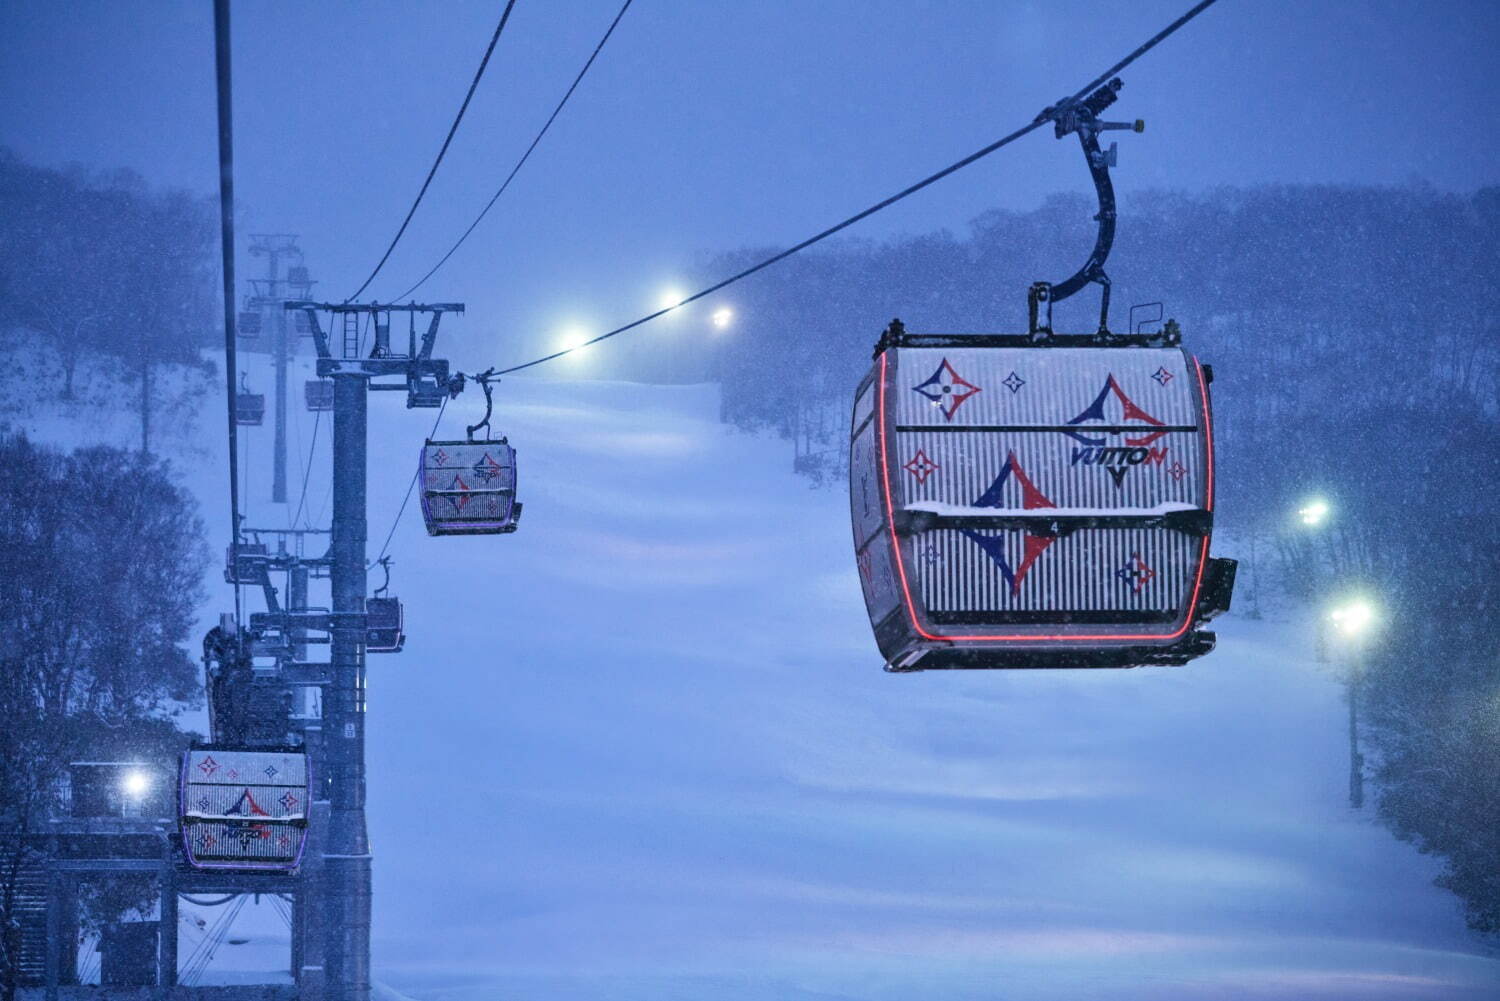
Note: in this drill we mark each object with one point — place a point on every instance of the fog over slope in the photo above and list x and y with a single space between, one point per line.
644 749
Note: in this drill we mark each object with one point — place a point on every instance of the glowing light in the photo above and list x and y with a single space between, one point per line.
135 784
671 299
1313 513
723 316
575 341
1353 618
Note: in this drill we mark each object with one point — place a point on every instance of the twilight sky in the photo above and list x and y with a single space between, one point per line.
708 126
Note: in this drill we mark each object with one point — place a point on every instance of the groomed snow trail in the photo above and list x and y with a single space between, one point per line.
643 749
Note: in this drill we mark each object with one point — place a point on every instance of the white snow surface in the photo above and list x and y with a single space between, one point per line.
643 749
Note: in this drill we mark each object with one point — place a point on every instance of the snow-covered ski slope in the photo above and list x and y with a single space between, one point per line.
643 749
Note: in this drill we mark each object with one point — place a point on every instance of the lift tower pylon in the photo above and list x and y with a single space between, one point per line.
346 887
271 291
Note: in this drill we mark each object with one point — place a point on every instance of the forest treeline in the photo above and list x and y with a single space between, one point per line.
107 300
100 579
104 283
1355 339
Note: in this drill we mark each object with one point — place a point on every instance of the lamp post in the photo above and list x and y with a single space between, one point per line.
1351 623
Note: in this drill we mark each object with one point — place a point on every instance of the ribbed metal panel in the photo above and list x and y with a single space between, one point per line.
1051 385
252 845
1108 432
468 488
878 577
274 802
1142 571
244 808
865 504
961 468
210 768
867 510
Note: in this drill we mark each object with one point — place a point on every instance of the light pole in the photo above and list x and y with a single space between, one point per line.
1351 623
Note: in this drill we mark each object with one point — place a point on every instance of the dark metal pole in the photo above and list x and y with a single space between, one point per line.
1356 760
166 956
297 602
346 859
226 230
278 473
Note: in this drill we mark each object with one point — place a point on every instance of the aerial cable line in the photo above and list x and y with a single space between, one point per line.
226 233
1047 115
504 17
524 156
402 510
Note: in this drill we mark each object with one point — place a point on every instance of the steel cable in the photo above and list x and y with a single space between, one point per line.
931 179
452 129
524 156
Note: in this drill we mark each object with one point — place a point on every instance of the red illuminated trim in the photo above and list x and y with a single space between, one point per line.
911 608
1208 428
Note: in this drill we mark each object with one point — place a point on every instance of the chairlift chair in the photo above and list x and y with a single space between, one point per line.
1038 500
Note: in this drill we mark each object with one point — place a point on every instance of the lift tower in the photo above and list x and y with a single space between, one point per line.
426 382
271 292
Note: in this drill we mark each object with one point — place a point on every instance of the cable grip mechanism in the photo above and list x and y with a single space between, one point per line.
484 379
1081 117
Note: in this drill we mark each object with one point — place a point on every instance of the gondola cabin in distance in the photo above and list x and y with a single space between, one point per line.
1034 507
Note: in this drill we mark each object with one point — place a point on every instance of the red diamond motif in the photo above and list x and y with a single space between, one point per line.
921 467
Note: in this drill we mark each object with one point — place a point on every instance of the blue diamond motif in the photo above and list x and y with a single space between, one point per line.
1013 382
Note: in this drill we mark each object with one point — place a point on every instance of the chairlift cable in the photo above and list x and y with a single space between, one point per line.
524 156
192 959
217 939
409 487
1142 50
195 962
931 179
452 129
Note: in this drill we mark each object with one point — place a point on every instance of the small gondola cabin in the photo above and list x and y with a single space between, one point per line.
242 808
469 487
385 624
318 393
1026 506
250 408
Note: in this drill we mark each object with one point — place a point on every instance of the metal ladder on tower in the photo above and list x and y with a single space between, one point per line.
351 334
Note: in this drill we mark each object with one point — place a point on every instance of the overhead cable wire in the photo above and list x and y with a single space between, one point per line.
307 470
1145 47
1040 120
215 940
452 129
524 156
392 533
